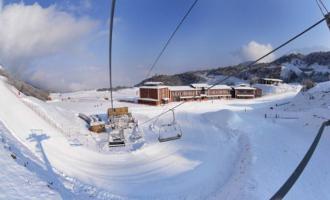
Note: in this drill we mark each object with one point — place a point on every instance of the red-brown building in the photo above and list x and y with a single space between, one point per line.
155 93
244 92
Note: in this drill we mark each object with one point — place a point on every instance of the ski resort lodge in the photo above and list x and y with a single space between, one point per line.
156 93
270 81
246 92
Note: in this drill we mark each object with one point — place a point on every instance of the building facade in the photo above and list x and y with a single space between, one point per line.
156 93
244 92
270 81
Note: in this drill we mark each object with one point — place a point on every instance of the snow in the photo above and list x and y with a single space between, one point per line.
321 87
224 87
278 89
319 68
228 150
181 88
18 180
288 69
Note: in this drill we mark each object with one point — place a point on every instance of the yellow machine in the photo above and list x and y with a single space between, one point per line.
116 112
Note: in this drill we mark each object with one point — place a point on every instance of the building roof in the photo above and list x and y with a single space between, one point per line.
272 79
191 87
154 86
200 85
244 87
181 88
153 83
219 87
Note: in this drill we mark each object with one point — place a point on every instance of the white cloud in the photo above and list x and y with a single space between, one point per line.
254 50
73 80
29 32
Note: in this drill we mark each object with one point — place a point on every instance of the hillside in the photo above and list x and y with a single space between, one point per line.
228 144
290 68
24 87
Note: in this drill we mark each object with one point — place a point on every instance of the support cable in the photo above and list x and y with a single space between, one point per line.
325 8
112 14
285 188
318 5
170 38
247 68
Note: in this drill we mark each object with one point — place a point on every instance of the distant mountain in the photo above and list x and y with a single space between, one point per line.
24 87
290 68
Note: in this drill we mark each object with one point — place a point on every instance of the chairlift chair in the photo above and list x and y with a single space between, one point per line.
327 18
176 127
325 12
117 139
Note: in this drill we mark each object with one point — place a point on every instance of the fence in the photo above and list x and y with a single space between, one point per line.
278 116
72 133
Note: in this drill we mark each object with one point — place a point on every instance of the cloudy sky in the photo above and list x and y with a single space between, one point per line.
63 44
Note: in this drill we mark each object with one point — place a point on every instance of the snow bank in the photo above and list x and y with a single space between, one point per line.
321 87
279 89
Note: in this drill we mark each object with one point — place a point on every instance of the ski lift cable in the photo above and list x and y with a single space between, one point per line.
319 6
325 8
247 68
170 38
112 14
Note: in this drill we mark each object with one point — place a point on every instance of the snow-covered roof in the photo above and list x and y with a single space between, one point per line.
153 83
200 85
244 88
179 88
272 79
154 86
221 87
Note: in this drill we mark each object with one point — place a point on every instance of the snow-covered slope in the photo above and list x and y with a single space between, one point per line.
20 179
229 150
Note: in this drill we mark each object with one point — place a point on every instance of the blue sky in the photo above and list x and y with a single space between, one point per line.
217 33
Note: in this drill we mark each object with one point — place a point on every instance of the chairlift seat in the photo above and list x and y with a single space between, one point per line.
166 139
327 18
176 133
118 143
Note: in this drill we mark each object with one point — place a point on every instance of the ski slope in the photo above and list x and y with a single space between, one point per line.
229 150
18 178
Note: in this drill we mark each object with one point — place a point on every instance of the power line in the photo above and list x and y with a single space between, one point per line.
247 68
112 14
170 38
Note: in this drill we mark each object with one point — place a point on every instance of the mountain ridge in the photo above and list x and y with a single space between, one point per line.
294 67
